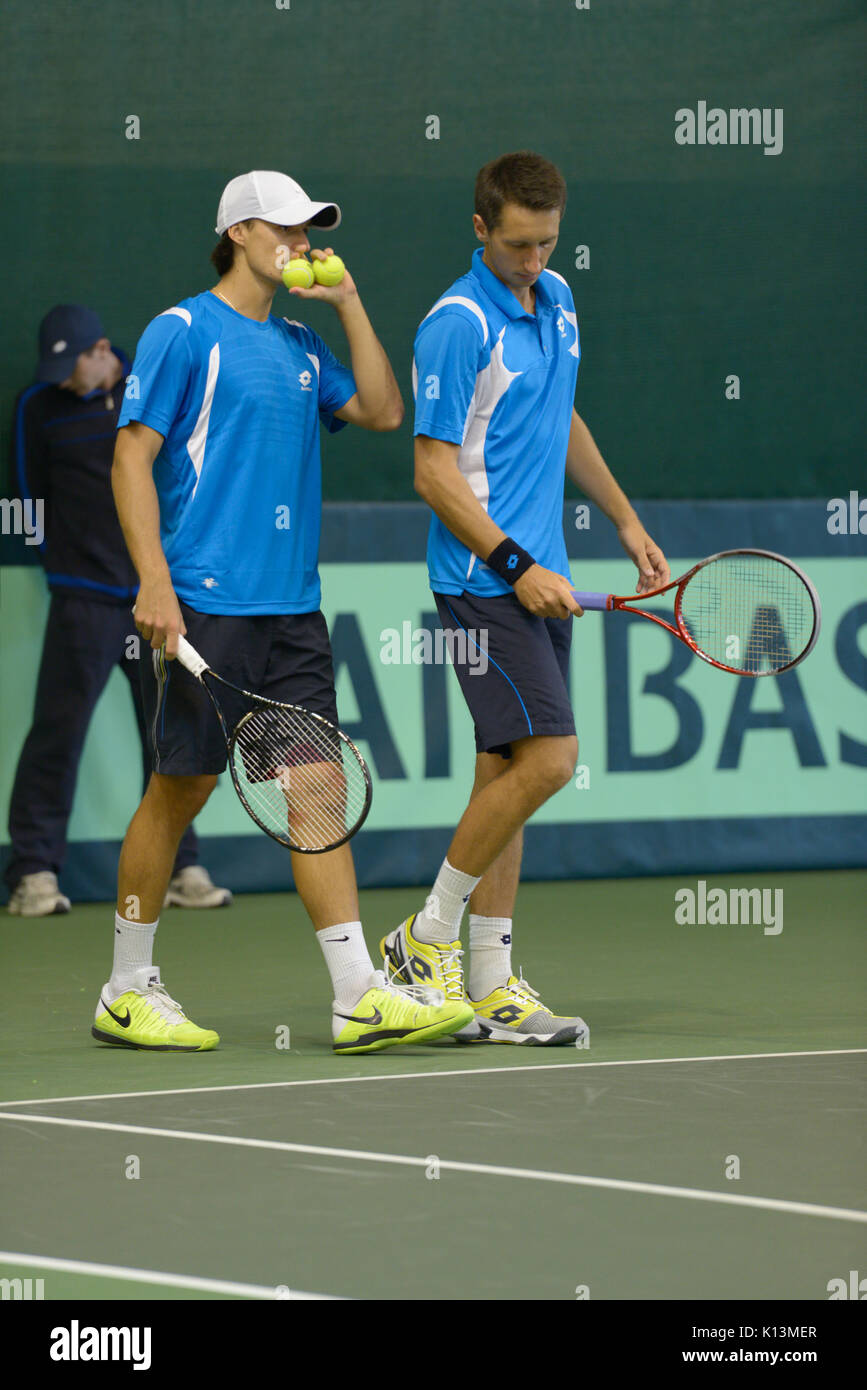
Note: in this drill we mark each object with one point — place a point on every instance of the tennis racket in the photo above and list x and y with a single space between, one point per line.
747 611
299 777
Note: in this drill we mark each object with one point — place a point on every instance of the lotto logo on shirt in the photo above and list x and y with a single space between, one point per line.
306 379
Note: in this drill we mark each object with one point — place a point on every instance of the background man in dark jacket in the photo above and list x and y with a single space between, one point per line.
63 443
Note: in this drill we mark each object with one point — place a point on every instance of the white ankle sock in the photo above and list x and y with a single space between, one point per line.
133 948
348 961
440 918
490 954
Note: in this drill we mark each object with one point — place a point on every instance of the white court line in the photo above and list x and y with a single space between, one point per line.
487 1169
152 1276
530 1067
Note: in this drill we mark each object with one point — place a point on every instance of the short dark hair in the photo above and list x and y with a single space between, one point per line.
223 254
524 178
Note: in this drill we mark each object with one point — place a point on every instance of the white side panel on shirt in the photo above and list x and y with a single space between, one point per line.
492 383
199 437
468 304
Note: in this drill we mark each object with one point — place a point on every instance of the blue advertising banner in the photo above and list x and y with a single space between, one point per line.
681 767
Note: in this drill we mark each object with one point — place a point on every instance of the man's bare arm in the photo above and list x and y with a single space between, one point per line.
377 403
157 612
586 467
440 483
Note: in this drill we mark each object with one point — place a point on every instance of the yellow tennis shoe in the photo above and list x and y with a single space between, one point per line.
146 1016
413 962
513 1013
389 1014
435 964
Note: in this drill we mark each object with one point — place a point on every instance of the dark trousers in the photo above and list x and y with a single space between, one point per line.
84 641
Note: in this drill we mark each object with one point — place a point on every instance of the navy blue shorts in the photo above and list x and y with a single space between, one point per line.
283 657
513 668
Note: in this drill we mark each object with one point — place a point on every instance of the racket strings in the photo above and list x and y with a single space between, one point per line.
748 612
301 780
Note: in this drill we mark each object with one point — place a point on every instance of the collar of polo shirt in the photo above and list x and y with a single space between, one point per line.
503 296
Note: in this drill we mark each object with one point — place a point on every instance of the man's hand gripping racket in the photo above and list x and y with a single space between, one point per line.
751 612
299 777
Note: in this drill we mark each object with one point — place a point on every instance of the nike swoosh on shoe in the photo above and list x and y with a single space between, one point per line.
124 1022
375 1017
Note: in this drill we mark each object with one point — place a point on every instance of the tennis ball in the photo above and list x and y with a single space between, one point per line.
297 274
330 271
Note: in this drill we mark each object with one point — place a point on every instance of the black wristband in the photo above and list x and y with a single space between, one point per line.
509 561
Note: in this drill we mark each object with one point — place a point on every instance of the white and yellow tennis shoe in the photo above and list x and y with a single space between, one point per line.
413 962
389 1014
146 1016
434 964
514 1013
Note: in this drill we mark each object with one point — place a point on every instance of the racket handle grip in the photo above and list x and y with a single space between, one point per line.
189 657
592 601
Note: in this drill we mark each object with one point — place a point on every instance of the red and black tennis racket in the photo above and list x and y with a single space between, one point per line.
747 611
299 776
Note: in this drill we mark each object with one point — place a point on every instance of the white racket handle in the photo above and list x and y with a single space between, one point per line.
189 657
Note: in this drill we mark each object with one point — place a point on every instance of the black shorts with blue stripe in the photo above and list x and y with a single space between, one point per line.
513 668
283 657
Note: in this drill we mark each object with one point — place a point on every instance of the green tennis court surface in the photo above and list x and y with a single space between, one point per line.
443 1172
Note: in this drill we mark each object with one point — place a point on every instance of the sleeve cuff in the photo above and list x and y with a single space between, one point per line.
438 431
152 418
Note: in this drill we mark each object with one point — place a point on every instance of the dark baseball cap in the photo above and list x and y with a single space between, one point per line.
66 331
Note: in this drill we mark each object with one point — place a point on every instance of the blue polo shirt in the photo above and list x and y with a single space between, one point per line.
239 473
500 382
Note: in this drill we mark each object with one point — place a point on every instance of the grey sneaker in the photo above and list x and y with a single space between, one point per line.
37 895
514 1013
192 887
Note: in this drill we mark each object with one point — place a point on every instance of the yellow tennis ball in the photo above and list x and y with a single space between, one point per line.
330 271
297 274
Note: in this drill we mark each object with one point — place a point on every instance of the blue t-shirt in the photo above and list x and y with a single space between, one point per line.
239 473
500 382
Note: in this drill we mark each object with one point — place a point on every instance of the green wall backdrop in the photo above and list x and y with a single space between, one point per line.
705 261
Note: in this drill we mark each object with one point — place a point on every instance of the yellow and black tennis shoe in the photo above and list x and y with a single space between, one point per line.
433 963
146 1016
513 1013
390 1014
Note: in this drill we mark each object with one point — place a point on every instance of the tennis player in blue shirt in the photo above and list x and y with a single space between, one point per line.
494 372
217 481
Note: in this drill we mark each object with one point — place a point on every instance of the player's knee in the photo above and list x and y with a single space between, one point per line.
552 763
562 763
194 795
182 798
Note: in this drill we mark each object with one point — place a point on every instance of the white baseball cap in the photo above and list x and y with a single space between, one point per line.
273 197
